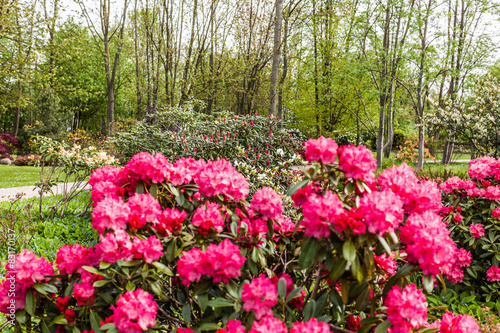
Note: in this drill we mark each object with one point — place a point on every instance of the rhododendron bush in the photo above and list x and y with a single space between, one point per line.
184 247
472 210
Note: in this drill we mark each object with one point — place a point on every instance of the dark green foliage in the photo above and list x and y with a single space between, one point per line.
399 138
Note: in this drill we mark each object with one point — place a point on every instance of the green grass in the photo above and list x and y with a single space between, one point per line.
15 176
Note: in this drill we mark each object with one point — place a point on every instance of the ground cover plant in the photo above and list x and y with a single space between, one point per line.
182 249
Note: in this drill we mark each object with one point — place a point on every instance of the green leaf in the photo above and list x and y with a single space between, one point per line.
130 286
171 251
310 309
154 190
186 313
363 299
383 327
282 287
295 187
220 302
130 263
140 188
21 316
208 327
294 294
101 283
30 302
163 268
386 246
94 322
202 301
94 270
156 288
108 326
61 320
45 329
104 265
308 253
338 269
403 271
349 251
180 199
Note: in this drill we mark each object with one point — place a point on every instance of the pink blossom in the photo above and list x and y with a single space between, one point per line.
357 162
184 330
221 178
319 211
481 168
463 258
226 261
492 193
185 170
268 324
83 293
386 264
144 208
297 302
259 296
268 203
301 196
493 274
350 220
455 274
190 266
115 246
149 249
399 179
71 258
321 150
105 174
382 211
148 168
10 290
233 326
428 242
452 323
111 213
135 312
28 268
106 189
424 196
208 217
312 326
406 309
169 220
496 213
477 230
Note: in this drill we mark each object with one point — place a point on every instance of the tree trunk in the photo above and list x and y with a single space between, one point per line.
276 58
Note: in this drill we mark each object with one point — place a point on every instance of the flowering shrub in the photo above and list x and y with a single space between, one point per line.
261 148
182 247
471 210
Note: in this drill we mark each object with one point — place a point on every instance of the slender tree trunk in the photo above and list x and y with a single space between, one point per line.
273 97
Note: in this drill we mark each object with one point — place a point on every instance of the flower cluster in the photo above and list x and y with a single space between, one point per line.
493 274
260 296
322 150
222 262
135 311
452 323
406 308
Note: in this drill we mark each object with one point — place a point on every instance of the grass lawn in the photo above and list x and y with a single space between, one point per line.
15 176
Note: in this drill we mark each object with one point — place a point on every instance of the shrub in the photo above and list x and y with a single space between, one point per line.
26 159
8 144
399 138
472 211
180 246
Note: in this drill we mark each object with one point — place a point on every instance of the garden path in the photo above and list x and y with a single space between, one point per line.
31 191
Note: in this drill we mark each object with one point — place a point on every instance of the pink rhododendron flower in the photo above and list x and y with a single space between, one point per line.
189 266
29 269
496 213
106 189
144 208
319 211
296 302
357 162
268 324
111 213
106 173
148 249
477 230
285 226
493 274
268 203
226 261
135 312
481 168
323 150
350 220
260 296
312 326
12 291
455 274
185 330
62 303
492 193
353 323
185 170
386 264
208 217
71 258
428 243
83 293
169 220
463 258
115 246
382 211
406 308
148 168
452 323
399 179
220 177
233 326
424 196
300 197
255 232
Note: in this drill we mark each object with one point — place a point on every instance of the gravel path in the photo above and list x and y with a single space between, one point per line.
31 191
